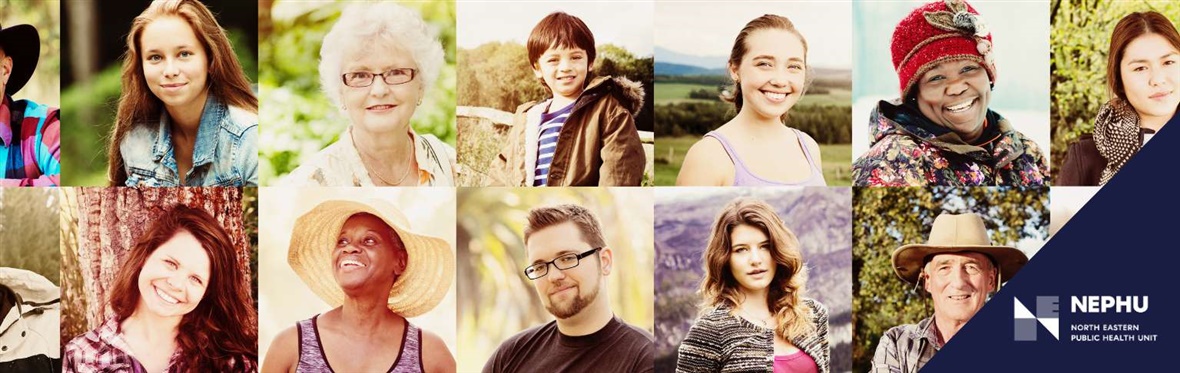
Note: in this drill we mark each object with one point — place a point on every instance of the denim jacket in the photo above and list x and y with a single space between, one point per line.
225 154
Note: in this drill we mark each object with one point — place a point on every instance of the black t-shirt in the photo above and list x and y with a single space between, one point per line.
617 347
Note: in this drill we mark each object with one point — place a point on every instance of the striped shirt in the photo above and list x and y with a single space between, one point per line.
31 144
722 342
551 123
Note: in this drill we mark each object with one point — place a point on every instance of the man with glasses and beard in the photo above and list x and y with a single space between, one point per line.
568 264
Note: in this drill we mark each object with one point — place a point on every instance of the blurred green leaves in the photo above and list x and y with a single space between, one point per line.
296 118
886 218
1079 41
89 115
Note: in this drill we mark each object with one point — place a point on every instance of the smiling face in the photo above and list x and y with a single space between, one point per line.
772 73
567 292
955 95
959 284
564 70
380 107
367 258
174 277
750 259
1150 70
175 65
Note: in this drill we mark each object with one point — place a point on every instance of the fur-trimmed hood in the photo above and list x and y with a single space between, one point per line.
627 92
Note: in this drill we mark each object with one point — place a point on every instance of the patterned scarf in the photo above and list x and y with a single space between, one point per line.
1116 134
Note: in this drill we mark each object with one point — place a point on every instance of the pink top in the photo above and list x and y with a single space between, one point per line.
797 362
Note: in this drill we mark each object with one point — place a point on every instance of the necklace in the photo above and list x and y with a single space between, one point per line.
759 320
399 181
377 174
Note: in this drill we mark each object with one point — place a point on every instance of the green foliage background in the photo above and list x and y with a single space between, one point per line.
45 85
886 218
296 118
1080 40
89 114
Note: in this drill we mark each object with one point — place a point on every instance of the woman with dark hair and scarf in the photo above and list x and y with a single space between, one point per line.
1143 76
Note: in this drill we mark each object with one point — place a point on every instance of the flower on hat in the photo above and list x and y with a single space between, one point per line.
959 19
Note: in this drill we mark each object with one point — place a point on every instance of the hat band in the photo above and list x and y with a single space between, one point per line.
919 46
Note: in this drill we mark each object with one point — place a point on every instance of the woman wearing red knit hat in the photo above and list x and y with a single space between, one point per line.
941 132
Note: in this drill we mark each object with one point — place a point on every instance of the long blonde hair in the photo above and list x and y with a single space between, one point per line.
137 104
719 287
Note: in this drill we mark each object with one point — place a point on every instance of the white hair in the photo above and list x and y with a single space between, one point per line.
359 24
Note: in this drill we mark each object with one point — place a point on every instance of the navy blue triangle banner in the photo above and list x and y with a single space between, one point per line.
1099 296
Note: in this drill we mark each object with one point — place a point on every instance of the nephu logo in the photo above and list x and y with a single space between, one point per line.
1047 315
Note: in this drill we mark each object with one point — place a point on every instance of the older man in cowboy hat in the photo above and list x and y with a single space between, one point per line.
958 266
29 132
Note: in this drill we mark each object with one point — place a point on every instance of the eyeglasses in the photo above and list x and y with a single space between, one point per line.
566 261
362 79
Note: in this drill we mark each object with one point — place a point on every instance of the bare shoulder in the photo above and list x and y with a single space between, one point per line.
283 353
436 357
812 146
706 164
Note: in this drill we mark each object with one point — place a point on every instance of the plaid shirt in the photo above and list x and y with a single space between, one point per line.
32 137
104 350
906 348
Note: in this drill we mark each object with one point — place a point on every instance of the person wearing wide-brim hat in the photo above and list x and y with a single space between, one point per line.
362 259
29 132
959 267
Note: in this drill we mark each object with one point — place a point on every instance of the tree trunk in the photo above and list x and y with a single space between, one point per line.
110 220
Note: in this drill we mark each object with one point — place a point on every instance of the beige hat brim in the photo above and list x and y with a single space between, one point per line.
429 269
908 259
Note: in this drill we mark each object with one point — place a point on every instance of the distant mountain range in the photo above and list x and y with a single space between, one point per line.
704 62
819 217
671 63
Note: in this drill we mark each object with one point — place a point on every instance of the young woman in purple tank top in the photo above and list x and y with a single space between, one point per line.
768 65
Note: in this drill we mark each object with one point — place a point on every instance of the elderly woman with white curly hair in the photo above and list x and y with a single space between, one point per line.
376 65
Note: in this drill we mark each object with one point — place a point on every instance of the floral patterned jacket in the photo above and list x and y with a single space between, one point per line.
909 150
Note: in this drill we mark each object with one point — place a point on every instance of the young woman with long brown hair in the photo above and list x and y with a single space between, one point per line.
187 115
180 304
755 315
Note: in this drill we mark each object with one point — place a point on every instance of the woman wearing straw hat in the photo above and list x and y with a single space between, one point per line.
959 267
362 259
941 131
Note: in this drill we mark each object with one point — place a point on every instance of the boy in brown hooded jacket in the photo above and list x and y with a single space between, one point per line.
585 134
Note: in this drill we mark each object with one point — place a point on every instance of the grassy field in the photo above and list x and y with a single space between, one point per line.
667 93
837 160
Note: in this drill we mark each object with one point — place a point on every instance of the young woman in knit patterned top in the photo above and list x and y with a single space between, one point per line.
768 65
755 317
